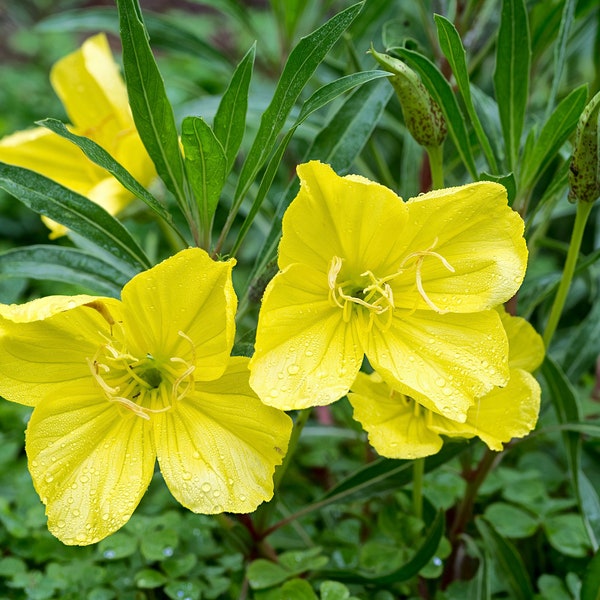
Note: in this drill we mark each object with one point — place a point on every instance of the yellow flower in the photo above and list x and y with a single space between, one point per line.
400 427
117 384
92 91
409 285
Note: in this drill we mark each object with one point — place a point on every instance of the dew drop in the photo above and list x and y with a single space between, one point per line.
440 381
205 487
293 369
76 512
216 493
109 554
49 478
186 476
274 393
167 551
308 353
242 498
61 524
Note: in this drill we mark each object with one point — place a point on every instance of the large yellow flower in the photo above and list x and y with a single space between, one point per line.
117 384
409 285
401 427
92 91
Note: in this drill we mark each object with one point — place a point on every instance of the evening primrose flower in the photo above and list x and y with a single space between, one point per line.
116 384
401 427
409 285
93 93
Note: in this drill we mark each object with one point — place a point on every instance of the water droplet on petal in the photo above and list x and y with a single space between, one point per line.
205 487
293 369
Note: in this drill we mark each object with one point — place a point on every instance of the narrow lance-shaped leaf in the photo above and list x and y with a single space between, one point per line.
511 77
560 48
299 68
150 106
206 166
77 213
442 93
454 51
102 158
554 134
508 561
323 96
64 264
567 410
230 119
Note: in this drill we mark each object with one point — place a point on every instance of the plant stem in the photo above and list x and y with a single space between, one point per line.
436 160
418 470
581 217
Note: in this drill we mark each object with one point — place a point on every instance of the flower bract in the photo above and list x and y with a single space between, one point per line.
118 384
93 93
401 427
411 285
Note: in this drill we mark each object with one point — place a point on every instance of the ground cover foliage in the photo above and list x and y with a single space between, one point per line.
272 85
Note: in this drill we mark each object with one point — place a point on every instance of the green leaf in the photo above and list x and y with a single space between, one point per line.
299 68
149 579
590 585
560 48
442 93
338 144
454 51
206 166
263 574
511 77
511 521
566 533
407 571
510 566
319 99
297 589
117 546
230 118
150 106
567 410
333 590
508 181
102 158
554 134
59 263
77 213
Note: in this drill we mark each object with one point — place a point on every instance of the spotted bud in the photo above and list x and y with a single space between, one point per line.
584 173
422 114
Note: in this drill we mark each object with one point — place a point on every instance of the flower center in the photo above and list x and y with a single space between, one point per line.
144 385
374 294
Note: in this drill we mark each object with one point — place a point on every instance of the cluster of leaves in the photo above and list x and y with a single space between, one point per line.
343 526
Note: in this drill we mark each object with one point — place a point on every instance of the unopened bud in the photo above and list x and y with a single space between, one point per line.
584 173
422 114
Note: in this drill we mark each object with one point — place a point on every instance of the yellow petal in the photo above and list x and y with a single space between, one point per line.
37 356
349 217
91 462
91 89
443 361
219 446
183 307
305 354
525 345
42 308
466 246
397 427
503 414
47 153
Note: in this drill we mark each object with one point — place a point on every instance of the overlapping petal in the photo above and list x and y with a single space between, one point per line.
188 293
42 308
502 414
306 354
91 461
349 217
395 424
219 447
526 347
39 355
480 238
443 361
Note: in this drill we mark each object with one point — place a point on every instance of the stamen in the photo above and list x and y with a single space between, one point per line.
420 257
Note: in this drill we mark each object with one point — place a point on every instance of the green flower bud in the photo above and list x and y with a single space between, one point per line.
422 114
584 173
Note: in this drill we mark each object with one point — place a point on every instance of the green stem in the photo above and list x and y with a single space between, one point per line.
436 166
418 471
581 216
